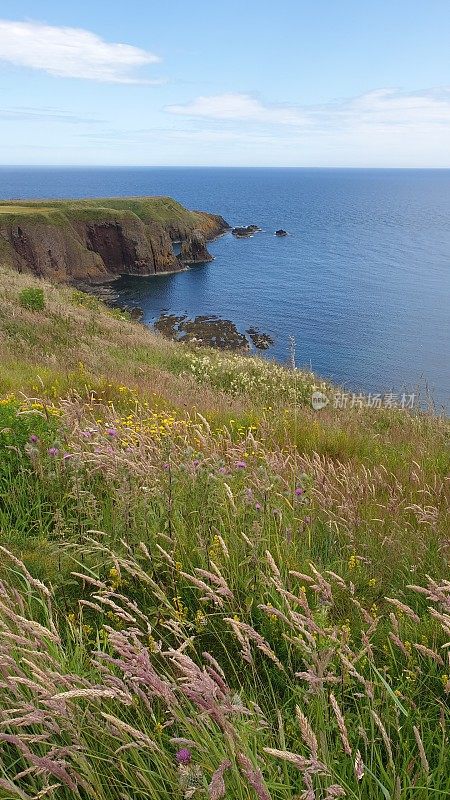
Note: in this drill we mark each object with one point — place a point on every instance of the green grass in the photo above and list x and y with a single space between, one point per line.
202 560
163 210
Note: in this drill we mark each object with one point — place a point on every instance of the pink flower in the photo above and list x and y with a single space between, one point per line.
111 431
183 756
34 438
241 464
299 491
53 451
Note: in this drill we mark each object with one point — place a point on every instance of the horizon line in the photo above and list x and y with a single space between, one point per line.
211 166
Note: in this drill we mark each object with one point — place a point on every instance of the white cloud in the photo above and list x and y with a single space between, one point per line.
392 107
237 106
383 127
71 53
385 107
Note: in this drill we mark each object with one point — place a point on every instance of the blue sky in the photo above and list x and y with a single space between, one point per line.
295 83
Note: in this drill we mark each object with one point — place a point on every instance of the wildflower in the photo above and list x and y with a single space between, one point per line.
299 491
152 644
34 438
111 431
241 464
66 456
53 451
258 506
200 619
353 562
372 582
183 756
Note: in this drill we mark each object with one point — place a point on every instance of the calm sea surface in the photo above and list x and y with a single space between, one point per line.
362 282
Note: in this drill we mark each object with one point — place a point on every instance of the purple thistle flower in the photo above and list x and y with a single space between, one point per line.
299 491
223 470
183 756
53 451
258 506
111 431
241 464
166 465
34 438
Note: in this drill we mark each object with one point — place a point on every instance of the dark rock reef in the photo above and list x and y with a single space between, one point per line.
95 240
281 232
211 331
262 341
244 231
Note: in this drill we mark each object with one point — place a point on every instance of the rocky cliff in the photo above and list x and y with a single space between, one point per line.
92 240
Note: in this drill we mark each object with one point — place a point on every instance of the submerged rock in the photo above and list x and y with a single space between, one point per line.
281 232
244 231
203 330
262 341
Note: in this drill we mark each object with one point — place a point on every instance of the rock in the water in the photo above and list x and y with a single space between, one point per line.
281 232
203 330
262 341
244 231
136 313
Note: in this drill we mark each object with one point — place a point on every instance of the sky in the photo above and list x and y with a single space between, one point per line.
308 83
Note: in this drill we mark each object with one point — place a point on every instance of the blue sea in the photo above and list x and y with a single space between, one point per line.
362 282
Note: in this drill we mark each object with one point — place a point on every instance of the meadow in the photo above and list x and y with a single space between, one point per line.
208 589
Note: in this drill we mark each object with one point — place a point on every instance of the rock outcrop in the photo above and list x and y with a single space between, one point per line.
93 240
245 231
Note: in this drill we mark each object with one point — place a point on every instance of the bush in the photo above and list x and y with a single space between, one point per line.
32 298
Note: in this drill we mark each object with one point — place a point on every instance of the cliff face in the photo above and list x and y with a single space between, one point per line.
92 240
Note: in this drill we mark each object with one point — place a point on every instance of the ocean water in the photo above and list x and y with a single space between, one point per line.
362 282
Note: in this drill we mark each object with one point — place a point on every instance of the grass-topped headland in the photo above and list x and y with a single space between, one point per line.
208 589
93 238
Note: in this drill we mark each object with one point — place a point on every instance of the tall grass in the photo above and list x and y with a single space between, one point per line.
208 590
228 617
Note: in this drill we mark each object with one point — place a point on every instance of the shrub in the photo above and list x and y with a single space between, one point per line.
32 298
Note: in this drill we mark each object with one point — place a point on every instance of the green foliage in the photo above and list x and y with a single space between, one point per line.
32 298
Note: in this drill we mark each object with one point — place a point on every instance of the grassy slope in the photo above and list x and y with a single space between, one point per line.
210 460
163 210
